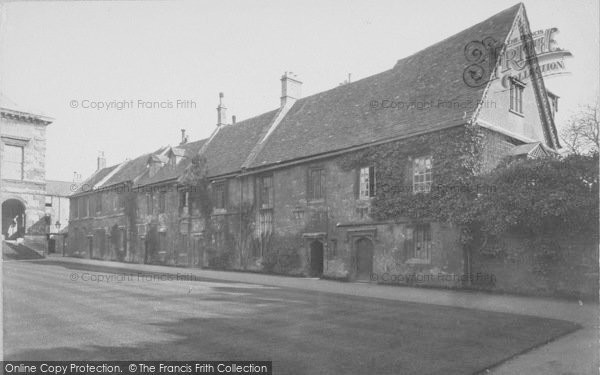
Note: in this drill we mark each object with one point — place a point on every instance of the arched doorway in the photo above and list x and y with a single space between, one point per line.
13 219
364 259
316 258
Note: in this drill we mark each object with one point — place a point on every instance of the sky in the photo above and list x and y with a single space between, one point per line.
61 58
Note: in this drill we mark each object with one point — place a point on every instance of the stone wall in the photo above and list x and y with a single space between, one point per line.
31 135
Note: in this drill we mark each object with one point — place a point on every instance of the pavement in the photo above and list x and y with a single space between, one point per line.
574 353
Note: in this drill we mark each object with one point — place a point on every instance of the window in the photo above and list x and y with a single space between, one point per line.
162 202
183 201
48 201
418 243
73 211
266 191
366 183
86 206
219 194
99 203
80 203
121 200
516 96
162 241
315 186
12 162
422 174
149 210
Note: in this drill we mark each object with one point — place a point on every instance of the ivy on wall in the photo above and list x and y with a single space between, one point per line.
540 199
457 157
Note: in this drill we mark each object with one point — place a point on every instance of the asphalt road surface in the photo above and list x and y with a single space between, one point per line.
55 311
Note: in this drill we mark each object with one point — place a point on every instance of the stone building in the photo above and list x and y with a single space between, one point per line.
295 190
23 153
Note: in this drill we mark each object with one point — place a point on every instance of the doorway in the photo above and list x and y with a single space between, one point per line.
364 259
316 258
13 219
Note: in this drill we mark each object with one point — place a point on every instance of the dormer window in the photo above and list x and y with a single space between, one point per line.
175 155
155 162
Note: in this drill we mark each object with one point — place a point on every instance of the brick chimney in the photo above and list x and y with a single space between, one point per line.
291 88
101 160
221 111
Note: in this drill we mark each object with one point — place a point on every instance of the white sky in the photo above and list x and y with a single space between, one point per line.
54 52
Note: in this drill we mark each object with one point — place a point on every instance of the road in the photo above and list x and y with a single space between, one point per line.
68 311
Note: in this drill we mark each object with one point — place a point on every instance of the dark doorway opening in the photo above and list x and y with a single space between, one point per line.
13 219
316 259
364 259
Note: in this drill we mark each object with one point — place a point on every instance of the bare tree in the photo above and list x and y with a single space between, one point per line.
581 133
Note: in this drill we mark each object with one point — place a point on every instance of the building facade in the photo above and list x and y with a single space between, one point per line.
23 188
299 190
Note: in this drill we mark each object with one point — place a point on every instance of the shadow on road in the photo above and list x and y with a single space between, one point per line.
14 251
303 332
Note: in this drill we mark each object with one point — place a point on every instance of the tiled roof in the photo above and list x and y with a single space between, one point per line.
167 173
344 117
426 89
229 148
129 171
59 188
531 149
88 184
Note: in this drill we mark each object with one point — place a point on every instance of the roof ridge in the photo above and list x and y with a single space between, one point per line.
458 33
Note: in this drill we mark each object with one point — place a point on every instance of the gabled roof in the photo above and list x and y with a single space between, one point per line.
352 114
59 188
168 172
177 151
158 158
534 149
228 149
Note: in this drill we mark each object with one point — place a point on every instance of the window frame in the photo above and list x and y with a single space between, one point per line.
311 194
98 208
219 194
265 191
371 181
162 202
427 175
420 236
9 163
184 201
149 204
516 96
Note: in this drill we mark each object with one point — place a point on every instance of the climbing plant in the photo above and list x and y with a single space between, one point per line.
195 179
537 198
